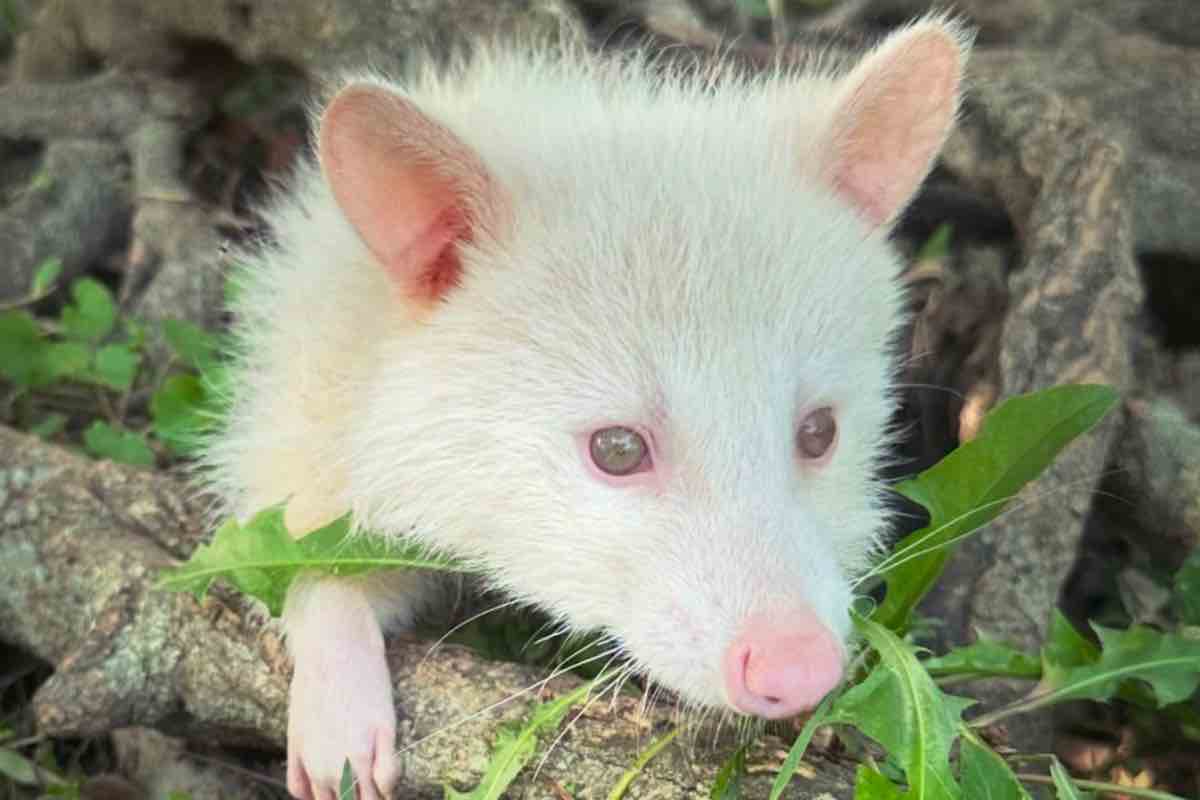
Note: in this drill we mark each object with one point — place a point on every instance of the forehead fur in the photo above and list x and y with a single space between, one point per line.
678 216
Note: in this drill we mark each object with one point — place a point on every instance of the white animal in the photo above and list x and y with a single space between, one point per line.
622 337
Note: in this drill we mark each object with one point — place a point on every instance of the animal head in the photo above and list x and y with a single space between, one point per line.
648 385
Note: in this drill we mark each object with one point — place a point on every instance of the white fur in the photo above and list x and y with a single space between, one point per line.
673 260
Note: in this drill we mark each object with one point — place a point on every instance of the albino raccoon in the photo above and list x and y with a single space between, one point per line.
618 334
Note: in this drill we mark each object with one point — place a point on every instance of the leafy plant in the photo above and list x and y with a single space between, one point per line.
970 487
896 702
516 745
91 353
1185 599
61 372
262 558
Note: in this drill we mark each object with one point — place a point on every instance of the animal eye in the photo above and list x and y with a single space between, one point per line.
816 433
618 450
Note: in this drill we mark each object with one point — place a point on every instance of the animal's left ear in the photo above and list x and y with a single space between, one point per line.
892 115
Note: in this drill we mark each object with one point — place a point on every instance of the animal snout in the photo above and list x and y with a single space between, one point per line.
781 665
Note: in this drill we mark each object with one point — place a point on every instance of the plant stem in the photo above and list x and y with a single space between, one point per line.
1017 707
650 752
1101 786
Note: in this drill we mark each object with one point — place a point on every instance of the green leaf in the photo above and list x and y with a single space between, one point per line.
1165 664
643 759
985 657
17 768
969 487
899 706
346 784
45 276
790 764
195 346
870 784
62 360
21 348
115 366
49 425
1065 646
1169 663
1185 598
728 784
755 8
180 412
93 313
515 746
937 246
1064 787
262 558
135 333
984 774
125 447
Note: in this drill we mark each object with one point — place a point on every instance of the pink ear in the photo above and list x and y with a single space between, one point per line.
408 186
892 118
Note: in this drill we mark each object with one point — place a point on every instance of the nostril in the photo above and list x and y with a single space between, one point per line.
775 671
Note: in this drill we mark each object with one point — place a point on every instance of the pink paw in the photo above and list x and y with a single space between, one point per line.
332 720
340 704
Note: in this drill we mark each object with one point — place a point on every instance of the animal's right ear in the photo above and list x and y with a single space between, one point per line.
409 186
892 115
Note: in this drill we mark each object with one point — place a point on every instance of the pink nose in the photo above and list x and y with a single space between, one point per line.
781 666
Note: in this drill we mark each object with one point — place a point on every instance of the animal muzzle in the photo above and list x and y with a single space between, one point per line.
781 664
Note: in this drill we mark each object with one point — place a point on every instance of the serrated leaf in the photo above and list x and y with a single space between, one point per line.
985 657
728 783
180 412
515 746
900 707
970 487
195 346
870 784
125 447
262 558
1165 667
17 768
1185 596
790 764
93 313
115 366
1168 663
21 348
984 775
45 276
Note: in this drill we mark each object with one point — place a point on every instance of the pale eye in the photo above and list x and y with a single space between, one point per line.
816 433
618 450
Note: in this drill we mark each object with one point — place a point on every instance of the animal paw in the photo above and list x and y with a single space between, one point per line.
340 704
335 719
